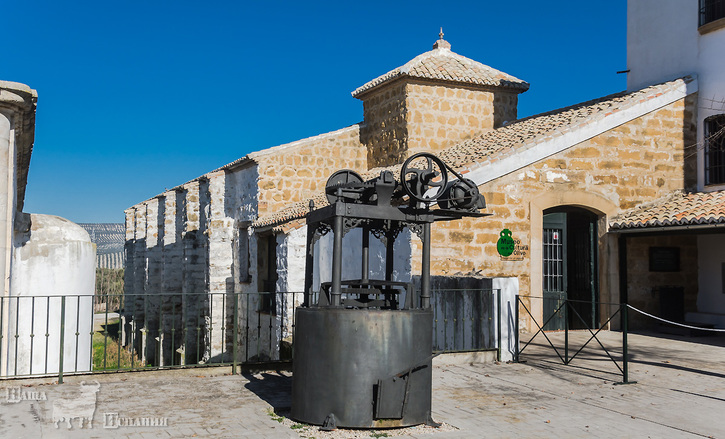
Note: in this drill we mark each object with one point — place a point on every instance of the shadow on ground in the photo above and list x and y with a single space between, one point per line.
275 388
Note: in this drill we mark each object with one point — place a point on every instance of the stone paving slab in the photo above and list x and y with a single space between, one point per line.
680 392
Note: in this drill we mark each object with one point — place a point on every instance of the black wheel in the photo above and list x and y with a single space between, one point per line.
341 178
421 173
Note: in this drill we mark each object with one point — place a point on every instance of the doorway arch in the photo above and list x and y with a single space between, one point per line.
580 201
570 267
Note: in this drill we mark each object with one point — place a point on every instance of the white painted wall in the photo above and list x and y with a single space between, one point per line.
710 297
508 288
291 250
352 258
241 193
663 43
7 194
55 258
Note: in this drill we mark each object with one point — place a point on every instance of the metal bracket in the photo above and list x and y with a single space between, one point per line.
330 423
416 228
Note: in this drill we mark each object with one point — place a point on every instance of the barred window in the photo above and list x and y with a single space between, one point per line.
267 272
243 253
715 149
711 10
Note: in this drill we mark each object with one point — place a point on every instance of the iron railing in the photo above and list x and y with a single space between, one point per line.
57 335
38 336
567 310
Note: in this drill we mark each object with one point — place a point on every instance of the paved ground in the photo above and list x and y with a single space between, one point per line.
680 392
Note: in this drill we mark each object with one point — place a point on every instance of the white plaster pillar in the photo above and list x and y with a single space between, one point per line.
17 132
508 287
7 196
220 231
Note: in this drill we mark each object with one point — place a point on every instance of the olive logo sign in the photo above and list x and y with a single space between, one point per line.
505 244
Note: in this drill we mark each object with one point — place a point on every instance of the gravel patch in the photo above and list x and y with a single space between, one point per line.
313 431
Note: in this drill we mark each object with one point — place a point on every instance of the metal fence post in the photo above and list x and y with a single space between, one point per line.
498 321
625 354
62 339
234 335
516 333
625 350
566 332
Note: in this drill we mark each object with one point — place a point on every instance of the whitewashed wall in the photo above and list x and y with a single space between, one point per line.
663 43
352 259
710 297
509 288
55 258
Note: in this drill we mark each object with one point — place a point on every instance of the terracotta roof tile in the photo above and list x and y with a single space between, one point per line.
676 209
444 65
525 133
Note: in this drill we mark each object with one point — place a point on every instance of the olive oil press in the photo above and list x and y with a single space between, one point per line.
363 347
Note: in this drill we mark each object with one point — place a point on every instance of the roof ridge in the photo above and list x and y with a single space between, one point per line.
478 73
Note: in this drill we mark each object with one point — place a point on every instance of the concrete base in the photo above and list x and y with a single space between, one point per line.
463 358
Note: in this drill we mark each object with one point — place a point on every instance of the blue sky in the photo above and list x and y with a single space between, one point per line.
139 96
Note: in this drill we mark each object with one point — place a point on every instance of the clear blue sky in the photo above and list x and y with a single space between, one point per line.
138 96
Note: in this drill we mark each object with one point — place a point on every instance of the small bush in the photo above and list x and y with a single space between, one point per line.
116 357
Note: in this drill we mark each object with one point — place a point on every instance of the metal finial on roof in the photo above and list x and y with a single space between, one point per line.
441 43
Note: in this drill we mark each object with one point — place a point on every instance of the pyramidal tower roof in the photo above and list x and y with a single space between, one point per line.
442 64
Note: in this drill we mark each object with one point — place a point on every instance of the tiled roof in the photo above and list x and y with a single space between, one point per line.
525 133
444 65
677 209
520 135
291 212
493 145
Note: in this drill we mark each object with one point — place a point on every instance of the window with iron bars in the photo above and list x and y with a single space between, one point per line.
715 149
711 10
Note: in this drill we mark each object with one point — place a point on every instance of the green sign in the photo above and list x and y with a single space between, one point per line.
505 244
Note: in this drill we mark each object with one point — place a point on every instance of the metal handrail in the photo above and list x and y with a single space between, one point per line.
165 330
566 307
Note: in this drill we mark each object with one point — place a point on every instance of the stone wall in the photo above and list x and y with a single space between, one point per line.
385 132
416 116
299 170
166 277
636 162
186 248
440 116
647 289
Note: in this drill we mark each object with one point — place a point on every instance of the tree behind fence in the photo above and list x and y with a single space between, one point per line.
109 289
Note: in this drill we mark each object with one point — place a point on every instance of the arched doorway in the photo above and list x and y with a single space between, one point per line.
570 267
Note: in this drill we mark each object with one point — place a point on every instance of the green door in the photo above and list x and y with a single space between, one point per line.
570 268
555 269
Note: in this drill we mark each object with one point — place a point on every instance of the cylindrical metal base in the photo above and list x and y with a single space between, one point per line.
368 368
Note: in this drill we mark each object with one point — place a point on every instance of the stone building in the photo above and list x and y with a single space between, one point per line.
673 263
554 182
42 258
